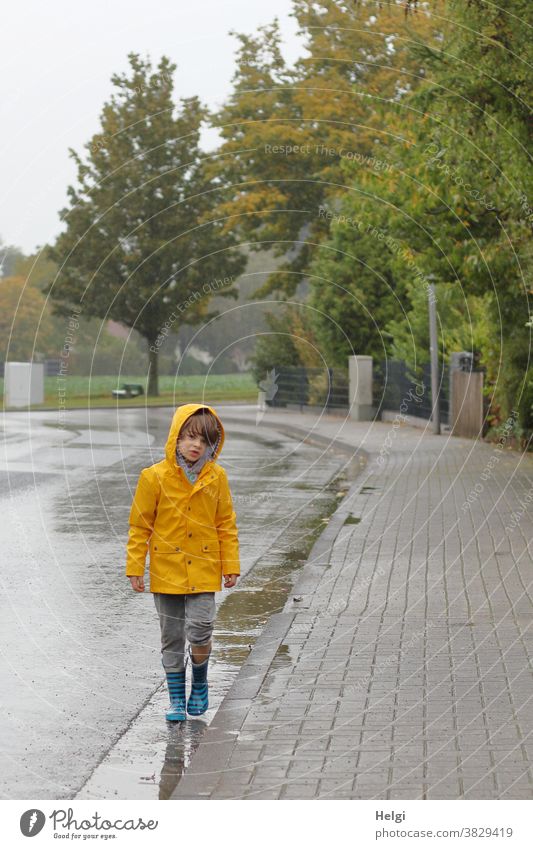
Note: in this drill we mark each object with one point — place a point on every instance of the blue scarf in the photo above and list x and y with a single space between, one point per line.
192 470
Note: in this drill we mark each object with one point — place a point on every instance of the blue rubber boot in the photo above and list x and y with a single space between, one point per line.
176 692
198 700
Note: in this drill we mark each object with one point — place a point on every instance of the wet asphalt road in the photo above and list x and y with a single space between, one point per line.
82 696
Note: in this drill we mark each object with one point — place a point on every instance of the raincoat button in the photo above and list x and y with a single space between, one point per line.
189 562
190 535
193 588
177 549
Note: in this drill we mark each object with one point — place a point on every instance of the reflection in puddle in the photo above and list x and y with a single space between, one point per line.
183 740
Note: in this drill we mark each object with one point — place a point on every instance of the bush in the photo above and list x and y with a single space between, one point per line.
275 348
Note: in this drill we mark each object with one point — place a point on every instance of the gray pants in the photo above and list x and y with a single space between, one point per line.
188 616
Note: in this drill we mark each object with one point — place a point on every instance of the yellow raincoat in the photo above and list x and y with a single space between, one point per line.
189 529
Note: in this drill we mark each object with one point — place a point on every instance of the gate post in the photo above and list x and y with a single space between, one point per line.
360 377
466 397
23 384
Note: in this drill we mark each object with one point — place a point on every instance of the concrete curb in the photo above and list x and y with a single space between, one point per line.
216 747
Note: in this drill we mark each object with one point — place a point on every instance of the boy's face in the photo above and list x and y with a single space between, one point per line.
192 446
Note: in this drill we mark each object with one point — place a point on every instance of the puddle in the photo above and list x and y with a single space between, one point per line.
148 760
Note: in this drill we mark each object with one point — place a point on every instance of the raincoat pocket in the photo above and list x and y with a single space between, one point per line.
205 569
167 567
211 548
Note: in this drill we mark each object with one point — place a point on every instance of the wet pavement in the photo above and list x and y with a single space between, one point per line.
403 669
83 697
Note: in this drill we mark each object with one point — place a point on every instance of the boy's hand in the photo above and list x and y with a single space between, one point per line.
137 583
230 581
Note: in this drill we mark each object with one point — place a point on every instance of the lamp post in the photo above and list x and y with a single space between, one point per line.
434 353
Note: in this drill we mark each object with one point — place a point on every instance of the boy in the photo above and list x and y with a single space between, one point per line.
182 512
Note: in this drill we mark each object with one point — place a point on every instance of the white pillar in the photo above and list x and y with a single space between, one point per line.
360 375
23 384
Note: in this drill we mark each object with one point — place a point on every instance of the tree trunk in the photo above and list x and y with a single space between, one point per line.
153 375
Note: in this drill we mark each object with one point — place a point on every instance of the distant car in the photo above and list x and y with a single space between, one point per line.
128 390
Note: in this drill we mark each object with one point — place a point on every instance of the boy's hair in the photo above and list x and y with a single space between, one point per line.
201 423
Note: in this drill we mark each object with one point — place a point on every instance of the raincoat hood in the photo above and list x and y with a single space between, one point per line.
178 420
189 532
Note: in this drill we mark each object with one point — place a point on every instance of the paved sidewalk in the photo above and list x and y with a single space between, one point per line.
404 672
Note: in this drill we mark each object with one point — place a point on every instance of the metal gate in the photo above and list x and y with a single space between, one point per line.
399 389
326 388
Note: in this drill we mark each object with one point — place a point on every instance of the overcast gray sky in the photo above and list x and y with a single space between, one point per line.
57 59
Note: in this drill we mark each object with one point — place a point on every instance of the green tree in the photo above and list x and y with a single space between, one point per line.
460 200
354 293
26 327
10 256
141 244
454 206
287 132
38 269
275 346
